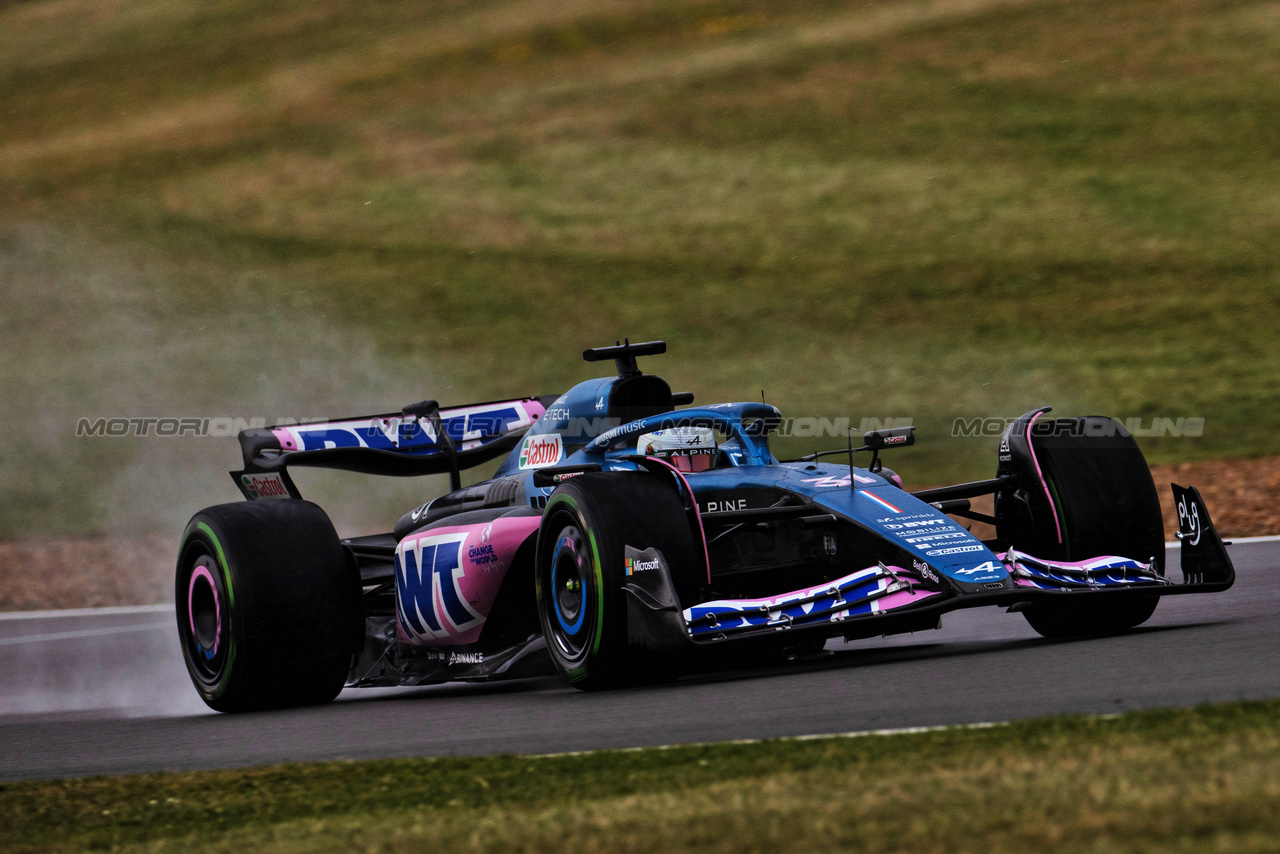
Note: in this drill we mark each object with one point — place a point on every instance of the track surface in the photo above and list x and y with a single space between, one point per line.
107 693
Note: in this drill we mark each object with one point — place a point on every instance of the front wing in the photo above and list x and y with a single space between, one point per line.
885 599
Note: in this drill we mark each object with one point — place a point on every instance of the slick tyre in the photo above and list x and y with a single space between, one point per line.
580 572
1083 619
1104 503
268 605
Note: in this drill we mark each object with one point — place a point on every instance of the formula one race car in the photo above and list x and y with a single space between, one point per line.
623 540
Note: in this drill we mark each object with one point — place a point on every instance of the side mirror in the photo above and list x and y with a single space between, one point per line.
896 437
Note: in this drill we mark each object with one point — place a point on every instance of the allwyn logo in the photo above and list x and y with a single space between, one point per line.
539 451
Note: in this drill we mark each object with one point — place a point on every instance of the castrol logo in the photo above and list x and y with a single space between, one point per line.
539 451
264 486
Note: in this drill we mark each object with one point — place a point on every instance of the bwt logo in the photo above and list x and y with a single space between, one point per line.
1190 428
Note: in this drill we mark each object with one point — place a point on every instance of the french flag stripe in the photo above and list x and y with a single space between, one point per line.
877 499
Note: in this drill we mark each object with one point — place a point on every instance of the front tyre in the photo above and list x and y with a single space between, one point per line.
580 571
268 605
1084 490
1082 619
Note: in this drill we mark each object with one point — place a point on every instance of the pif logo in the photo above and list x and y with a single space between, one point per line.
539 451
1188 520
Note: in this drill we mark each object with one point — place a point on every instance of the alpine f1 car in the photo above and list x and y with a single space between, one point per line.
629 535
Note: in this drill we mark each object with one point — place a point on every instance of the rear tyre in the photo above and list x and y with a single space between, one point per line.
1104 502
268 605
580 571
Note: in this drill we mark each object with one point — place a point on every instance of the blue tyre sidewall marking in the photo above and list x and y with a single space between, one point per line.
579 671
576 626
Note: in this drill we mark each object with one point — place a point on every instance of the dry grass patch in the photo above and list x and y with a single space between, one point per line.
86 572
1177 780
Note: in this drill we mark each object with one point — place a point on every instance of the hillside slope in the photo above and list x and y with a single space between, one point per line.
900 208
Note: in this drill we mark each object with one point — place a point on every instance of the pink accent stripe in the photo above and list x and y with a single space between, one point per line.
285 438
902 598
203 572
702 534
1098 562
1052 507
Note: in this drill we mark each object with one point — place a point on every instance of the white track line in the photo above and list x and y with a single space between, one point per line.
87 612
82 633
870 733
1275 538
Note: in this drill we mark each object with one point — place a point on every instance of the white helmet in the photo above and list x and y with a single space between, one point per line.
687 448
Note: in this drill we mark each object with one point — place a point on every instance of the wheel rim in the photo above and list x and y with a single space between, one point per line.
204 611
570 583
204 623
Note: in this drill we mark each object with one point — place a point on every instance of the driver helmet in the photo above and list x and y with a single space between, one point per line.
688 449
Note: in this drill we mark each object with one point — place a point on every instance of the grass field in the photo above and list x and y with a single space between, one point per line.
896 208
1204 779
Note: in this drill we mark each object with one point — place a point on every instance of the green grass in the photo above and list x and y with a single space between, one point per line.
1204 779
869 209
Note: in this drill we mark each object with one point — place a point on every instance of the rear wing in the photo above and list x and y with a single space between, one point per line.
421 439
